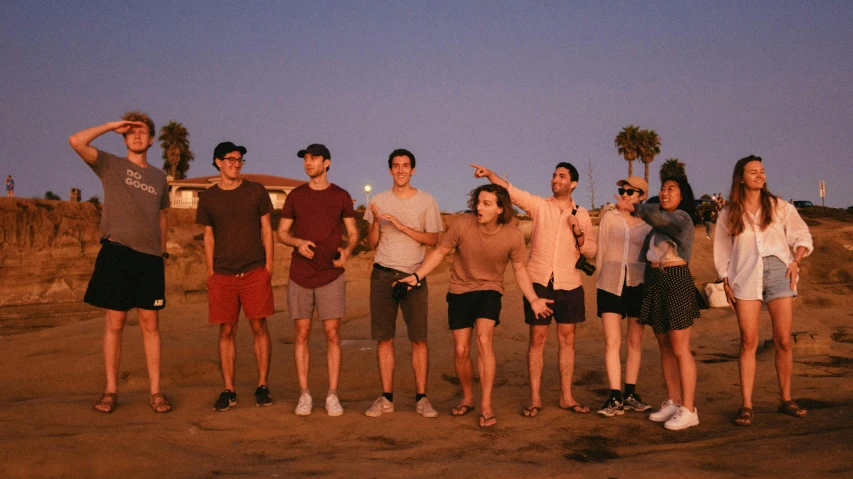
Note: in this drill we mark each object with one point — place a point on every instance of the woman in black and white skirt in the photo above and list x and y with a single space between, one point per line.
670 304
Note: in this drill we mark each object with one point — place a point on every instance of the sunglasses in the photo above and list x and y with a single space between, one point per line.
629 191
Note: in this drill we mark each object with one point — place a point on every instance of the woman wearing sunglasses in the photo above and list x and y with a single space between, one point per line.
752 252
620 295
670 305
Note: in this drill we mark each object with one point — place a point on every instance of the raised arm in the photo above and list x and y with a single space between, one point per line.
539 305
81 140
483 172
373 231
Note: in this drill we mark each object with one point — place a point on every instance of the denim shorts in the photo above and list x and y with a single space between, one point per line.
775 284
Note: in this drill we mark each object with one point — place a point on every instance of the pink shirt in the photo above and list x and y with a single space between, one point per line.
553 248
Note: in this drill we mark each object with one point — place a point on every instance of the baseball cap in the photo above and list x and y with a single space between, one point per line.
315 149
636 182
226 147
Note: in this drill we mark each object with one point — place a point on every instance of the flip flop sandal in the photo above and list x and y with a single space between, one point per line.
532 411
158 401
462 410
791 408
484 422
108 403
576 408
744 416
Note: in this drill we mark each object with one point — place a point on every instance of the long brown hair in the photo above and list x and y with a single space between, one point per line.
734 223
503 201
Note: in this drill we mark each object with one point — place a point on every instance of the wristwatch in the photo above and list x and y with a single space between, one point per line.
165 255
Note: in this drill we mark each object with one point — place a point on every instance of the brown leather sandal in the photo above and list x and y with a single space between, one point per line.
744 416
791 408
107 403
158 402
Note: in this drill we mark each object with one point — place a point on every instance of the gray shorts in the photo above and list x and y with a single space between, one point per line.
383 308
330 300
775 284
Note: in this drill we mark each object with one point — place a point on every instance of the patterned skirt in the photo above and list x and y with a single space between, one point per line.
670 301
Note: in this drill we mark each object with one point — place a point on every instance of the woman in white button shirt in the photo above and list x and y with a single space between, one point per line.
620 295
753 245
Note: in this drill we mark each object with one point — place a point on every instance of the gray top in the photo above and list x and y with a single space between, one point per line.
133 198
676 226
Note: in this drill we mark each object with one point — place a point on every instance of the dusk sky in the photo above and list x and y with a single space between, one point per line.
516 86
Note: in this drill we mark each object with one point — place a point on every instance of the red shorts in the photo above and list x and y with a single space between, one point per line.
251 290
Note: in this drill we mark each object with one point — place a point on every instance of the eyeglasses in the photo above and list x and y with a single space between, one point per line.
629 191
234 160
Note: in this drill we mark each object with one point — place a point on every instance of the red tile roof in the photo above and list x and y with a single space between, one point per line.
268 181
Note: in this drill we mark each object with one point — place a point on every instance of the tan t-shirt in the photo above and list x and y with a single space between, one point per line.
481 259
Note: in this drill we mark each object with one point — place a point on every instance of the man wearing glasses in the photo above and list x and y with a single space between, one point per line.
562 232
238 251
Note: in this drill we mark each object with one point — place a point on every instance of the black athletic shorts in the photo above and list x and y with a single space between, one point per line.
628 305
125 279
464 309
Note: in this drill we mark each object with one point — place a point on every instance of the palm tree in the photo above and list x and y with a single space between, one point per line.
649 148
175 141
672 167
627 144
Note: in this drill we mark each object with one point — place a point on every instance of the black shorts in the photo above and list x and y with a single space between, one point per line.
628 305
125 279
568 305
464 309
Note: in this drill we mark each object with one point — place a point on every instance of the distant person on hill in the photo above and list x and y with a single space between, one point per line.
238 251
403 221
314 211
752 252
129 272
10 187
485 243
562 234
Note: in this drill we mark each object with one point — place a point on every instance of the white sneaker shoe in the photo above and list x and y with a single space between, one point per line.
683 419
425 409
333 406
666 411
303 408
379 407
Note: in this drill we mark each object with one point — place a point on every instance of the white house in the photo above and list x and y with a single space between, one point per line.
184 193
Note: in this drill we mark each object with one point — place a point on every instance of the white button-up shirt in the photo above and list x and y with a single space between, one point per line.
618 257
740 258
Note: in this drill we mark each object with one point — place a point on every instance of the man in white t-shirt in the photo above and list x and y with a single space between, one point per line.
403 220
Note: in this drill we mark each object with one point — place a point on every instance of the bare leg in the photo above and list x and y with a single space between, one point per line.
669 367
566 337
635 350
464 368
420 365
114 327
332 327
781 315
680 341
486 363
302 333
747 318
263 349
385 357
227 353
611 323
535 362
148 322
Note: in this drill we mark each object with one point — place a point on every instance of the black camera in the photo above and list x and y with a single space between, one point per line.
400 290
585 266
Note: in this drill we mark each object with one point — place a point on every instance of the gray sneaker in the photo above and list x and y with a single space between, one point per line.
333 406
611 408
303 408
425 409
633 402
380 407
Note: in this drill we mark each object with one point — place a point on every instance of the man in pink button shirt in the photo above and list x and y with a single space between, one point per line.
562 231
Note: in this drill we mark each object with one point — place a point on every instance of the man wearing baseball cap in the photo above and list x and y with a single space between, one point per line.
311 224
238 250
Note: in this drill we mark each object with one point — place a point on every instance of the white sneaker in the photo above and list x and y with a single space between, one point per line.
425 409
380 407
303 408
333 406
683 419
666 411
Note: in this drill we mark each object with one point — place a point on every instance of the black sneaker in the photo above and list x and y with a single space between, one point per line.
227 399
633 402
262 396
611 407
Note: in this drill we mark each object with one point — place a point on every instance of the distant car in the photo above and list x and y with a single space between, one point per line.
803 204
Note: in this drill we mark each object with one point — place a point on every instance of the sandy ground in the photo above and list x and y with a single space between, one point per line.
52 373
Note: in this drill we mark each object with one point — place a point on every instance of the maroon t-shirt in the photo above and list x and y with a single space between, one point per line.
235 216
317 216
